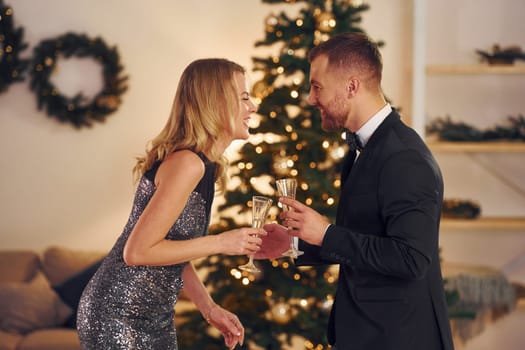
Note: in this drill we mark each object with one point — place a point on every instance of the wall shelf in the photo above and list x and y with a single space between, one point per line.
478 147
455 69
449 69
486 223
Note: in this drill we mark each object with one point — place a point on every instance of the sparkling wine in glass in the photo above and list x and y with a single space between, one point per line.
287 188
260 207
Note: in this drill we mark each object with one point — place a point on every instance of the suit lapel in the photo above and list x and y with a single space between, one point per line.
351 170
348 162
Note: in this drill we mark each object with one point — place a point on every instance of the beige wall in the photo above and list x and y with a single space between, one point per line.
73 187
59 185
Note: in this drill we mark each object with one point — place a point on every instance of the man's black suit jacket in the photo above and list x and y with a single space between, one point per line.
390 291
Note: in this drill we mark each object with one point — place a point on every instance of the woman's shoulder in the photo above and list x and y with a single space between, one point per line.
184 160
182 165
179 168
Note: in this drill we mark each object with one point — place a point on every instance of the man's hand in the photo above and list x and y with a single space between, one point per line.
275 243
303 221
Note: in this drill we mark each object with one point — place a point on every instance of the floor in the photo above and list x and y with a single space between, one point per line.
507 333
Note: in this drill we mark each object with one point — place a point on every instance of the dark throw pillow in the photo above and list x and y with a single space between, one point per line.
71 290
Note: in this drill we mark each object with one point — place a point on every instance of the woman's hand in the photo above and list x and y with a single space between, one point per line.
241 241
228 324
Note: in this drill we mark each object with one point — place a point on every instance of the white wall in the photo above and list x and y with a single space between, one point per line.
59 185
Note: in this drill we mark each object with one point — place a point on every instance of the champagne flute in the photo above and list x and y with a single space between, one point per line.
260 207
287 188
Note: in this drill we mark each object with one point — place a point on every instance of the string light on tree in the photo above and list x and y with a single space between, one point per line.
326 304
271 21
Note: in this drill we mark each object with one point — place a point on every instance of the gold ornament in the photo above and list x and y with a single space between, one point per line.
307 123
326 22
281 313
260 89
320 37
107 101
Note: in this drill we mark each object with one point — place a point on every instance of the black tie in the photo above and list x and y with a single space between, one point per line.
353 141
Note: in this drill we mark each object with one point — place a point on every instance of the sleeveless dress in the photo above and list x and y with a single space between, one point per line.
131 307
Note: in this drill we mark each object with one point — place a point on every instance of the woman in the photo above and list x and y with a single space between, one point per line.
128 304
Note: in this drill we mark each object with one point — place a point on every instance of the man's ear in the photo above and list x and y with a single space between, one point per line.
353 86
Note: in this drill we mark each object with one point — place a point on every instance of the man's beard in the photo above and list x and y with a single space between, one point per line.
333 115
331 122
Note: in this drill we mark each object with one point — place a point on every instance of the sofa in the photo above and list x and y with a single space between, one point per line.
39 295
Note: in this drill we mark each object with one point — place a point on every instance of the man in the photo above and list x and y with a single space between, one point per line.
390 291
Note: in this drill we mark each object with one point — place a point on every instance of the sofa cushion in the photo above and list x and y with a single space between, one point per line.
71 290
18 266
51 339
26 306
9 341
60 263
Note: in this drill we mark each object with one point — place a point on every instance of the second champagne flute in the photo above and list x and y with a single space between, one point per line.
287 188
260 207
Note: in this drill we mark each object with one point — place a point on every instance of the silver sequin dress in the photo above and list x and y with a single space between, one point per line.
131 307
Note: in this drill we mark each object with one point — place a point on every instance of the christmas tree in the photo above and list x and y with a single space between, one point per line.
283 300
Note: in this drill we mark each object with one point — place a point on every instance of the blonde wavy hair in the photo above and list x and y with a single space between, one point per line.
205 105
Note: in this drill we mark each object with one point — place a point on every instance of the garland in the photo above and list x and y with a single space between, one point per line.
460 209
447 130
11 44
502 55
76 110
